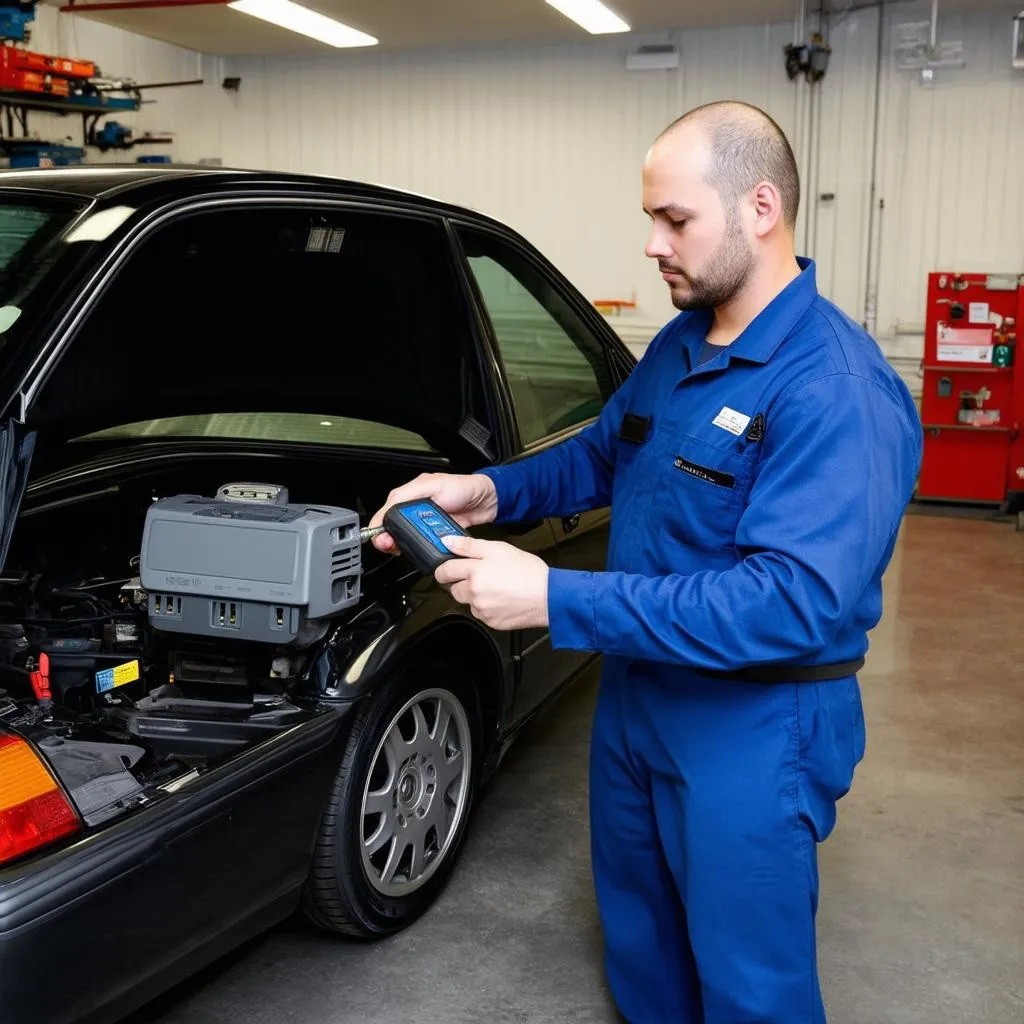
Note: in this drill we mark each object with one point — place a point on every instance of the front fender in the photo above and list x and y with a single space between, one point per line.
366 649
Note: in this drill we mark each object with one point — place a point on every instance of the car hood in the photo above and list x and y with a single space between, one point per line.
63 377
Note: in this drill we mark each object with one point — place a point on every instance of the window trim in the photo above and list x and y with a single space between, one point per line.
616 367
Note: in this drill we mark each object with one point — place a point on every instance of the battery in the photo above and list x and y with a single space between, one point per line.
418 527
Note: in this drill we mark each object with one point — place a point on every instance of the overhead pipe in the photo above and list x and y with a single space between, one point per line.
137 5
825 33
870 292
800 130
817 172
808 155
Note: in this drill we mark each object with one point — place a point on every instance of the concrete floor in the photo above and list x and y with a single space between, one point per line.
922 912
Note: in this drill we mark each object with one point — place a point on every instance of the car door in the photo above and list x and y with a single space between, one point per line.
559 373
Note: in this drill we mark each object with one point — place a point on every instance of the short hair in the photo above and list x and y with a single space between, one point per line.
747 147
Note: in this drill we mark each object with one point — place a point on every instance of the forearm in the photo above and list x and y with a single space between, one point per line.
570 477
767 609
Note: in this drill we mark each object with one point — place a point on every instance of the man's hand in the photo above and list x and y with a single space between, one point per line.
470 499
504 587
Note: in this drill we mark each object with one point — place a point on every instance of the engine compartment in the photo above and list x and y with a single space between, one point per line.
117 706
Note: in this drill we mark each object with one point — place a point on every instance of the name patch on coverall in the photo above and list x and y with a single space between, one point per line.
712 476
731 420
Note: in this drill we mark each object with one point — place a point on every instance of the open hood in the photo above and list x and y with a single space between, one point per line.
332 314
273 310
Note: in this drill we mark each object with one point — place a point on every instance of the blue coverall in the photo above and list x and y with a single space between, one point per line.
756 500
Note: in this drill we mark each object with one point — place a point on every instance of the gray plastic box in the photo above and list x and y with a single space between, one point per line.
248 570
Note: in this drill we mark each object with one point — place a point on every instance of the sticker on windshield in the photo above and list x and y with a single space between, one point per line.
117 676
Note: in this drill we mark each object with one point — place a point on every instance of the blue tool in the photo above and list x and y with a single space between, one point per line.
418 528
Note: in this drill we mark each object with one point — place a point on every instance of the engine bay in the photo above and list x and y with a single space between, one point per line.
123 692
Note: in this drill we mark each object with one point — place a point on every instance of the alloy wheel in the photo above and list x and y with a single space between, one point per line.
416 792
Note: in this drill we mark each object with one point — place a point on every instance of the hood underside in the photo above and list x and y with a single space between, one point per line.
236 313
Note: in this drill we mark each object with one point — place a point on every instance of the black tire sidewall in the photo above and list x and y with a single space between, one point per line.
379 914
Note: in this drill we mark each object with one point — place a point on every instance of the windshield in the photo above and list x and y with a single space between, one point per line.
30 229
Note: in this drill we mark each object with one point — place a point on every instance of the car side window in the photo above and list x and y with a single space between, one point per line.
556 368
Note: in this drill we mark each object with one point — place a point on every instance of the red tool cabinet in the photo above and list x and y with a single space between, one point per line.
972 403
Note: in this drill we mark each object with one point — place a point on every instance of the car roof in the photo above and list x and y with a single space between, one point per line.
150 181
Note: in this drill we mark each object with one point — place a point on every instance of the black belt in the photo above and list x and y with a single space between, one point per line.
793 673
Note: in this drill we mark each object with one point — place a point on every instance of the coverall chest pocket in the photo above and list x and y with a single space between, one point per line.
703 491
628 457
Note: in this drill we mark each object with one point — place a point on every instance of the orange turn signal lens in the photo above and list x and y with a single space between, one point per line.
34 811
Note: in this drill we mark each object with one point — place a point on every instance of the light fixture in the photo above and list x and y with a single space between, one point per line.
591 15
296 18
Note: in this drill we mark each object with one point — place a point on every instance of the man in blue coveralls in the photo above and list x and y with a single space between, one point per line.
758 462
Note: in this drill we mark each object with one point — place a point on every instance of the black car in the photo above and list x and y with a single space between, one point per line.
284 343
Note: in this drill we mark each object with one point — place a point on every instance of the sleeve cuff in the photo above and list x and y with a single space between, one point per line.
572 610
499 477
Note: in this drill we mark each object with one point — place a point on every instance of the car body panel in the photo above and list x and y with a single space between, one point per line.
89 924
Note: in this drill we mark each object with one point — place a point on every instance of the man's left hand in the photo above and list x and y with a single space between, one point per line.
504 587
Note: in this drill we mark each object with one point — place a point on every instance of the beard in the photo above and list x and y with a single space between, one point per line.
728 271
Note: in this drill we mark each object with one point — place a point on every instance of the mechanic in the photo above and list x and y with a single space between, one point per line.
757 461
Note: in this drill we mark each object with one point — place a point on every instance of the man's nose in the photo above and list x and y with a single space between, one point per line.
657 245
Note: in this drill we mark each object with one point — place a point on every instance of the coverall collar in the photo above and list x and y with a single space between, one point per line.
766 332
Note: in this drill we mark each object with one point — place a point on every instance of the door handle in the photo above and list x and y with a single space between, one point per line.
569 523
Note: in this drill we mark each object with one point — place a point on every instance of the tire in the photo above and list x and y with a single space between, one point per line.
375 873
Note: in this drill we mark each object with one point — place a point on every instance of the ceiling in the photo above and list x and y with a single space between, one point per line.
404 24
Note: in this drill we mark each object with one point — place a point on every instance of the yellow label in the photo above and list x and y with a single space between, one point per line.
126 673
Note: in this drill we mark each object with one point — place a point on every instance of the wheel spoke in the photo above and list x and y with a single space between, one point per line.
387 876
379 801
416 867
384 833
448 772
397 750
444 718
439 817
422 731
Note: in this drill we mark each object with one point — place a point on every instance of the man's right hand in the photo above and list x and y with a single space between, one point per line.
470 499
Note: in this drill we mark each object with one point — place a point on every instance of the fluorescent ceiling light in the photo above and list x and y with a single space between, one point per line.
300 19
591 15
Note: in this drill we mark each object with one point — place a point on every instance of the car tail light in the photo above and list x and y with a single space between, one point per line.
33 809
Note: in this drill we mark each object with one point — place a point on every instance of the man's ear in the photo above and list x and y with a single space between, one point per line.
767 206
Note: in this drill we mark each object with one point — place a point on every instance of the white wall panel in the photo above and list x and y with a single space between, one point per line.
548 138
952 168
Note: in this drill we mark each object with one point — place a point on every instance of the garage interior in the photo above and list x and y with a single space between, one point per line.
905 119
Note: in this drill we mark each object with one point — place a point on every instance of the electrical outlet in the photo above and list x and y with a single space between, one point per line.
165 606
225 615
